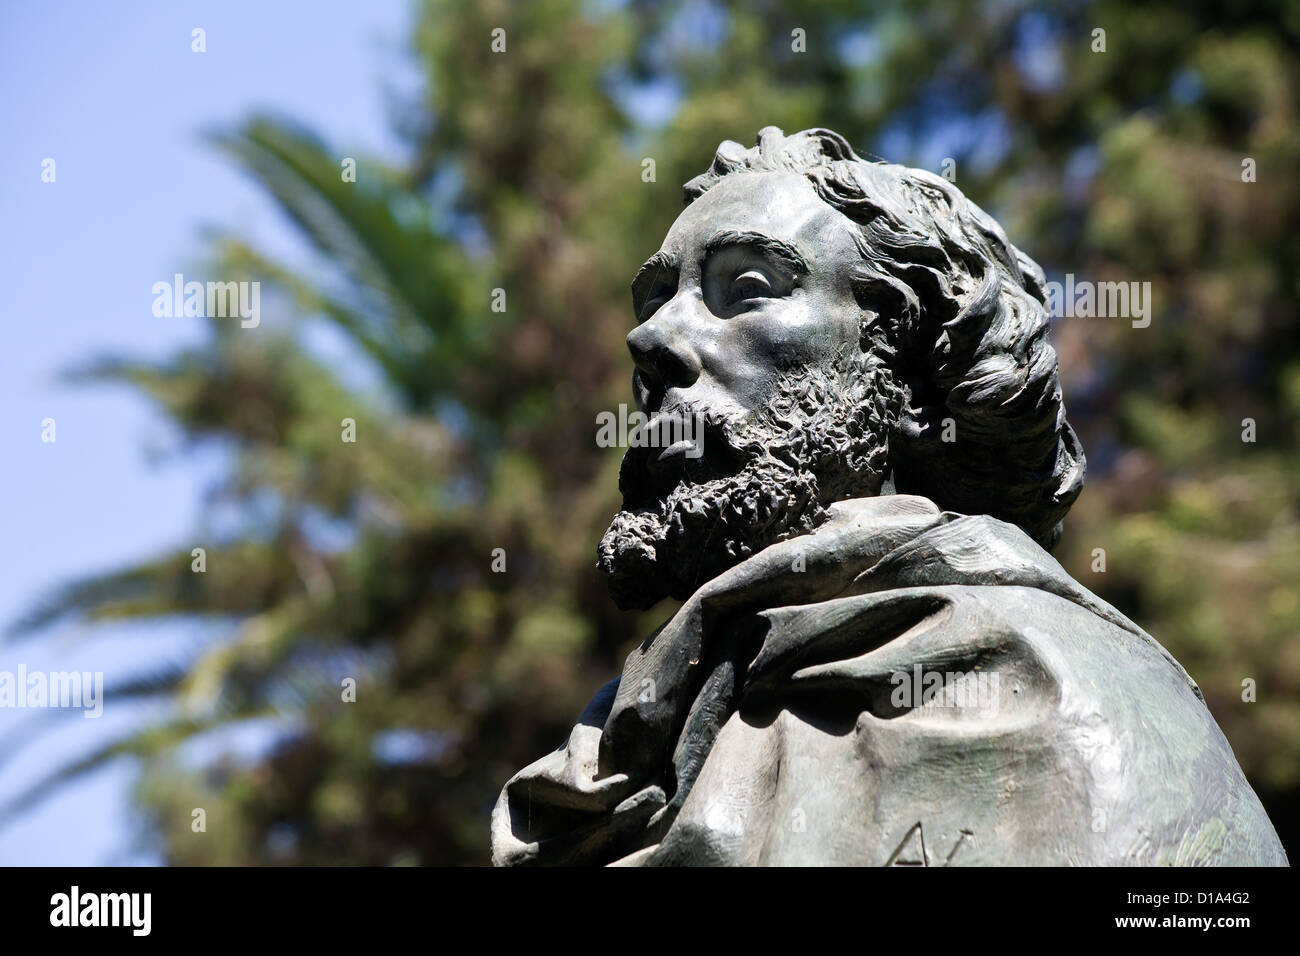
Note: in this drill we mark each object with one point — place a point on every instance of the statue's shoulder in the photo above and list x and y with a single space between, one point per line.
1025 592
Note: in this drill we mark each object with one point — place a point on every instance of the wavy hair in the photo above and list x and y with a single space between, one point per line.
958 313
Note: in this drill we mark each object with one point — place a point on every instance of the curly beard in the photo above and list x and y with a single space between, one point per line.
761 479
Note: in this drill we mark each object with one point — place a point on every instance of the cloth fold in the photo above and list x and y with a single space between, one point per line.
902 686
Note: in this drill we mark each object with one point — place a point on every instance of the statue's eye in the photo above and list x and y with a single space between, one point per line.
652 306
750 284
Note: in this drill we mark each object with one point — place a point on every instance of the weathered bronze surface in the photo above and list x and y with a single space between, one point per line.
877 661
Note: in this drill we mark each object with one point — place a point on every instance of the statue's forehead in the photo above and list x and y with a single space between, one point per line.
782 205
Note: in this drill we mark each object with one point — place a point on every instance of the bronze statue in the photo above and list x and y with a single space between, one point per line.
877 661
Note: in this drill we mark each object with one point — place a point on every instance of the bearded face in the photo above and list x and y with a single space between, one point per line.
750 329
760 479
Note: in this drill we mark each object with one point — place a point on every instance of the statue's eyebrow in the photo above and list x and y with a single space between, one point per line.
647 277
769 247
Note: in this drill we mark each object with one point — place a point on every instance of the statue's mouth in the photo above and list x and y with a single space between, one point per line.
677 446
685 448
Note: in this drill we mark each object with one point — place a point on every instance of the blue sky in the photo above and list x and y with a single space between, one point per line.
114 94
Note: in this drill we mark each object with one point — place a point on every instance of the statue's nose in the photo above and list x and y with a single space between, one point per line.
663 356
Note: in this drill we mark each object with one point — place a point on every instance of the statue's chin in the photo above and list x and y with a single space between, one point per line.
701 531
629 558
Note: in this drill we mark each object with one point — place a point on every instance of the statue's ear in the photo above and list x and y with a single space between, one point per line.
890 310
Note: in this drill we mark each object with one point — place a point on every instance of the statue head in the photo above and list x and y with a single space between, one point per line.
836 328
